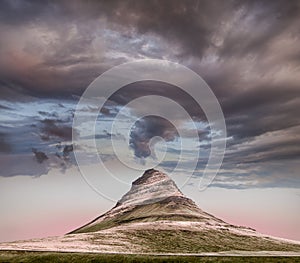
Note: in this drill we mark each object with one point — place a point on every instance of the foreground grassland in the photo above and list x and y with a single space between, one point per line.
24 256
187 241
181 241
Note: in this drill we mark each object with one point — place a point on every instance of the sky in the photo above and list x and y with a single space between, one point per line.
247 52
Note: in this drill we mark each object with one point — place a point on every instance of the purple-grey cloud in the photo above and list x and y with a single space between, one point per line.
247 51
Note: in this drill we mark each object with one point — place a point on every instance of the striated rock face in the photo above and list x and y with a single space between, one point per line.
151 187
152 197
150 176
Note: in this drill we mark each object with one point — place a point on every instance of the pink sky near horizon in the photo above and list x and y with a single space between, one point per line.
55 204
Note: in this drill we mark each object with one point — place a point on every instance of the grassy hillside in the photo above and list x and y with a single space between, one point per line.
185 210
184 241
14 256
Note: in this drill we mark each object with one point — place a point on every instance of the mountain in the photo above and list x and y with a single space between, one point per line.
153 197
155 217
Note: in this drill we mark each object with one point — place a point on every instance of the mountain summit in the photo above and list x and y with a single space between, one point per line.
151 187
153 197
155 217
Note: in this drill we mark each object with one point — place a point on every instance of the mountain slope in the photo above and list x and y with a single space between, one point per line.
152 197
155 217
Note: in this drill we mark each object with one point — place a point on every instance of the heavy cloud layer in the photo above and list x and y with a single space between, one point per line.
247 51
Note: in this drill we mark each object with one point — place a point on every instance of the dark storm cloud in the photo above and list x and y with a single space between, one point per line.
44 51
40 156
189 24
249 108
104 135
4 107
55 129
268 18
31 144
24 11
261 97
146 128
287 149
192 24
271 174
144 88
5 146
59 52
48 114
151 126
256 111
247 51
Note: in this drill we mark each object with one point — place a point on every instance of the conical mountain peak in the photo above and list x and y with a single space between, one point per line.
150 176
151 187
152 196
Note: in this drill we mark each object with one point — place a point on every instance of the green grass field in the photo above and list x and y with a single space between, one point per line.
181 241
25 256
